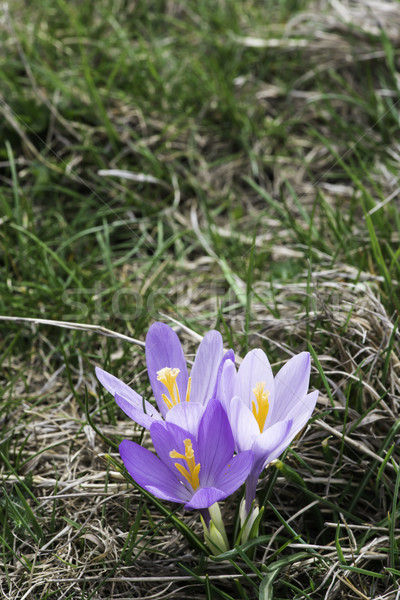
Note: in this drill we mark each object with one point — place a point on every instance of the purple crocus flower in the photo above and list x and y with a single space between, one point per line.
265 412
197 470
173 389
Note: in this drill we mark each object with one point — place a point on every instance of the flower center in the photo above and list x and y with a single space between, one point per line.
168 376
260 410
191 473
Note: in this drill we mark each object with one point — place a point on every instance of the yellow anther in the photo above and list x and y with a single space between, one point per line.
191 474
168 376
260 410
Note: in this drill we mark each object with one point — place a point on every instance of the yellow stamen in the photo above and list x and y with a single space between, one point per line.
191 474
168 376
167 401
188 389
260 411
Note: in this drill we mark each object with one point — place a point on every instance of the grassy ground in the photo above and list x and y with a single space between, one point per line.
259 150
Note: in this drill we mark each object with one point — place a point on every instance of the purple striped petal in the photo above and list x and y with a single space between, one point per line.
298 418
235 473
229 356
164 494
150 473
215 442
136 413
163 349
205 497
227 385
302 411
130 401
291 385
255 368
116 386
167 437
205 367
229 480
270 444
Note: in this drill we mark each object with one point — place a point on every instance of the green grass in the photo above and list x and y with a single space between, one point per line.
259 143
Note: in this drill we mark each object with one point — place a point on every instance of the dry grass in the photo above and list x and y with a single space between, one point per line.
73 484
283 237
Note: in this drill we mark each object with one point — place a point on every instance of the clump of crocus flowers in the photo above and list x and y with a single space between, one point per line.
214 429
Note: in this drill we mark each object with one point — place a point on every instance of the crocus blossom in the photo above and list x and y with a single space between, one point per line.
173 389
197 470
265 412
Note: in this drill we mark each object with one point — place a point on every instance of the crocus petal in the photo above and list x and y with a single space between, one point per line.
136 413
266 447
205 497
187 415
215 442
116 386
226 385
164 494
229 480
229 356
167 437
150 472
163 349
302 411
255 368
270 444
245 428
235 473
130 401
299 417
205 367
291 385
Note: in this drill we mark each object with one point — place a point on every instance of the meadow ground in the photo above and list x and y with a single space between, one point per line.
229 165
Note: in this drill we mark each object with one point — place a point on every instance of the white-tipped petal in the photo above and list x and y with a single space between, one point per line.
291 385
255 369
244 425
270 444
187 415
205 367
227 385
302 411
